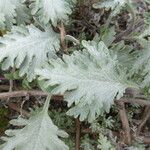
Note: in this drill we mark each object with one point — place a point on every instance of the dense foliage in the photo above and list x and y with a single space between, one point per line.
40 43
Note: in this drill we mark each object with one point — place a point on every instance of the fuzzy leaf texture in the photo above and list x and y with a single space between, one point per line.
51 10
13 11
104 143
109 4
27 48
23 14
142 64
107 35
91 79
115 5
126 55
38 133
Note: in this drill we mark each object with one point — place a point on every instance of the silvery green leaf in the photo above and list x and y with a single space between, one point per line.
51 10
90 78
107 35
104 143
115 5
37 133
10 10
23 15
7 11
2 21
27 48
125 53
142 64
145 33
109 4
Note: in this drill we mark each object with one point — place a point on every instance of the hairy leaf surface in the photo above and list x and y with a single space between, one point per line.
115 5
126 54
12 11
51 10
38 133
91 79
142 64
27 48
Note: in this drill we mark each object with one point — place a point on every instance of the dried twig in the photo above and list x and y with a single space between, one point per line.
11 84
125 122
146 140
146 116
78 131
139 101
4 87
14 107
23 93
62 37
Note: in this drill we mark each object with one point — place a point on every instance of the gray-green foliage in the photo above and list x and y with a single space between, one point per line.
110 4
51 10
114 5
38 133
28 48
107 35
104 143
126 54
13 11
88 143
142 63
23 14
91 79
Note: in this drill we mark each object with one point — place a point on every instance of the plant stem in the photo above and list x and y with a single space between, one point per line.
46 104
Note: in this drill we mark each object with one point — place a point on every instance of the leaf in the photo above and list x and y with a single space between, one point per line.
115 5
109 4
91 79
104 143
38 133
145 33
51 10
10 10
125 53
142 64
27 48
107 35
2 21
7 12
23 15
87 143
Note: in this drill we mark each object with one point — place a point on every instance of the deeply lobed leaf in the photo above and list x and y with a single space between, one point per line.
115 5
51 10
13 11
142 64
38 133
91 79
28 48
